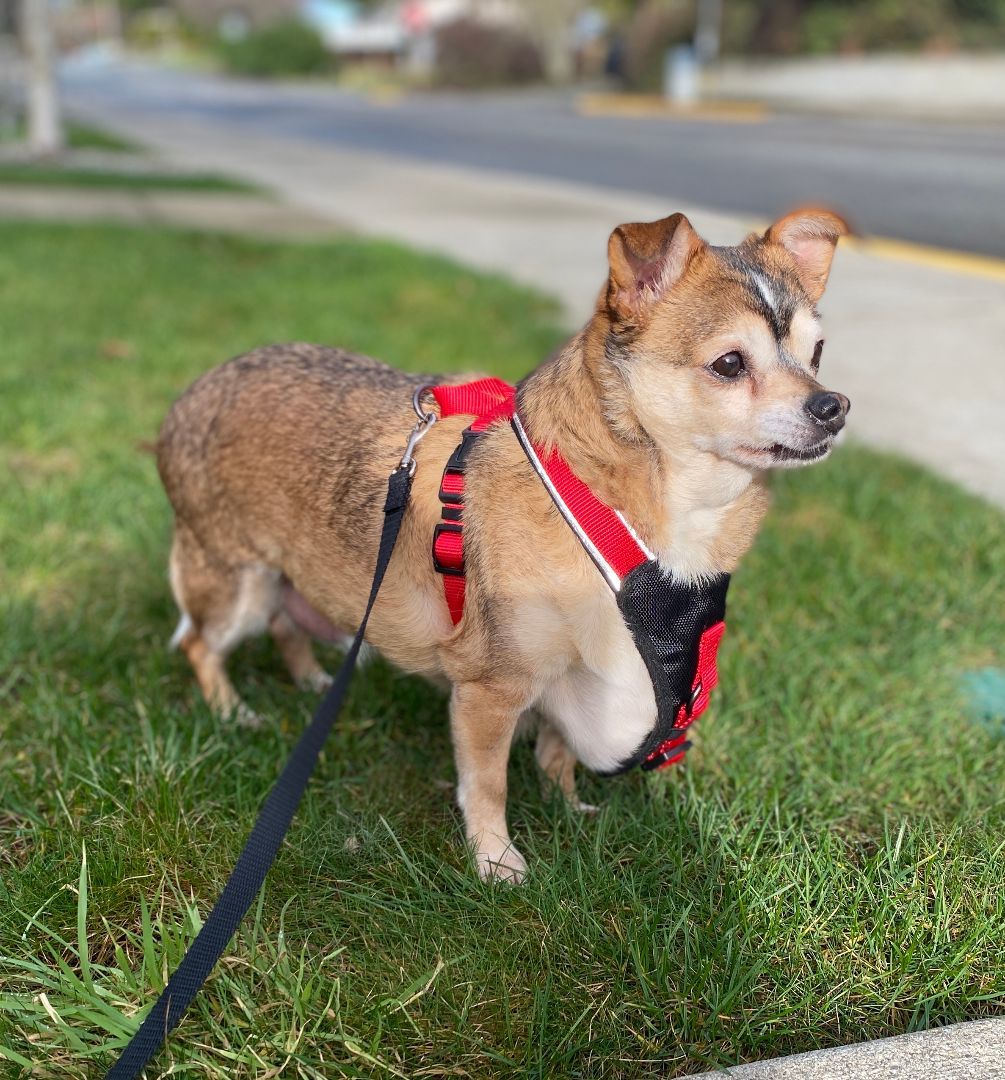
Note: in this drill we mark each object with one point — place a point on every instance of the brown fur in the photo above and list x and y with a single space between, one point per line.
276 464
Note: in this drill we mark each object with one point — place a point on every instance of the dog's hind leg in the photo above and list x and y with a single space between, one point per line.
558 763
221 605
298 653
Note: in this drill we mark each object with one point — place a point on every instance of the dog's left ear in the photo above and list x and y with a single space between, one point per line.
646 259
810 237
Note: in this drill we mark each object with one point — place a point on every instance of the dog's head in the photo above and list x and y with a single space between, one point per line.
718 348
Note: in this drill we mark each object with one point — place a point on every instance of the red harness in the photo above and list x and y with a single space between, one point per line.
609 540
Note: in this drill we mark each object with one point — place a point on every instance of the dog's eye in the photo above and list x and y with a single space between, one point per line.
729 366
818 351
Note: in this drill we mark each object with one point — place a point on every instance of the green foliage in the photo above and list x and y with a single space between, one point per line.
827 868
284 47
810 26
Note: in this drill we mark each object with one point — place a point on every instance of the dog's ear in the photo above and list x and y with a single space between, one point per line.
646 259
810 237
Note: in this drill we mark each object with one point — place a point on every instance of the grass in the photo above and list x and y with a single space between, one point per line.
828 868
82 137
52 175
69 174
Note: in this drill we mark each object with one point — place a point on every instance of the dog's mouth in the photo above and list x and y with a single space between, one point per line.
780 454
790 453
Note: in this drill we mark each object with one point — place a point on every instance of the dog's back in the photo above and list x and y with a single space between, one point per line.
276 465
280 413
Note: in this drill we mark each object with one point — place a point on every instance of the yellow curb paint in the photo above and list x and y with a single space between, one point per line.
645 105
960 262
385 95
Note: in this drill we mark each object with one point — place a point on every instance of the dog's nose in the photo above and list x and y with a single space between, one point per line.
828 409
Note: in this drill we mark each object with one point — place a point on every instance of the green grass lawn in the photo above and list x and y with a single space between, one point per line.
83 137
55 175
828 867
80 137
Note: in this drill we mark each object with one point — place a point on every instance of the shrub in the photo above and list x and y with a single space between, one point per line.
285 47
783 27
471 53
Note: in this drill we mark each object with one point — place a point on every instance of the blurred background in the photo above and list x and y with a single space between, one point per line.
513 134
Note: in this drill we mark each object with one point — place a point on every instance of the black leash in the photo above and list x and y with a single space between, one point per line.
271 827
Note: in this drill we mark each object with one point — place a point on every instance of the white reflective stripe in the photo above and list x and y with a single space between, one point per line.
610 575
635 536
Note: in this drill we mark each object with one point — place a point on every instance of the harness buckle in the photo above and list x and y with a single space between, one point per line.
454 568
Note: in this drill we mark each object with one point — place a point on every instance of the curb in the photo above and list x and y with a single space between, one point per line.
652 105
970 1051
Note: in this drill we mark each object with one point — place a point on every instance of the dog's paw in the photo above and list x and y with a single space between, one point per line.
245 717
317 681
583 807
505 864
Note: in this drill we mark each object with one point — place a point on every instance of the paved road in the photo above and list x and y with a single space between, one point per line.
938 184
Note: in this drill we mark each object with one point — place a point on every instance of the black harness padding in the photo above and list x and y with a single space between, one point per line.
667 618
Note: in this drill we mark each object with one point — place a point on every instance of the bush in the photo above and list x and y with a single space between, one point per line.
658 25
472 53
783 27
286 47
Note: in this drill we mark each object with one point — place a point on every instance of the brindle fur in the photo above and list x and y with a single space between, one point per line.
276 465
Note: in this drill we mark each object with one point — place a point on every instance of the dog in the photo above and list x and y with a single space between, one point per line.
696 374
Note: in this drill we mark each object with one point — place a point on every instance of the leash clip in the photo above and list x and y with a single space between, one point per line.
422 425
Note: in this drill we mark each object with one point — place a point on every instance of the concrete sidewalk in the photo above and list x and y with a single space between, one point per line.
966 87
974 1051
915 346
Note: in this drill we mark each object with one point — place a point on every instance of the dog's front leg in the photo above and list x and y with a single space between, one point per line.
483 718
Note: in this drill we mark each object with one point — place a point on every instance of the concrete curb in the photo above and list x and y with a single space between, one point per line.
970 1051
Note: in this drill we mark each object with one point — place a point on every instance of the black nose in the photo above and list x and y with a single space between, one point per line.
828 409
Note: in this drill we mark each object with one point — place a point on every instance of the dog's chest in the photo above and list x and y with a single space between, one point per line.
603 702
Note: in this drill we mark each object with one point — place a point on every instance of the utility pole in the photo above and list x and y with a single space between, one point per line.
45 124
708 31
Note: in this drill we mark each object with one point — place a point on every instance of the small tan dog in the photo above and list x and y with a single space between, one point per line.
695 374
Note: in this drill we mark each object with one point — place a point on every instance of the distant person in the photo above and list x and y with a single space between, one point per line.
614 66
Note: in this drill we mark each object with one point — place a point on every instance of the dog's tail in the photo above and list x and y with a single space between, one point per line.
183 627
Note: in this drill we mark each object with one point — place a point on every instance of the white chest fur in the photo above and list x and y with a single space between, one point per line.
603 703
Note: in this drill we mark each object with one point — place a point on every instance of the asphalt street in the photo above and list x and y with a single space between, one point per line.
935 183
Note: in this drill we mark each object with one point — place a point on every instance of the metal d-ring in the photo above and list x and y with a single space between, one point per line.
417 402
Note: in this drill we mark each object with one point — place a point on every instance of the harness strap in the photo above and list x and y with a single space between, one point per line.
487 400
609 540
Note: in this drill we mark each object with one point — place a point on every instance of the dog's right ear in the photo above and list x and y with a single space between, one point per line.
646 259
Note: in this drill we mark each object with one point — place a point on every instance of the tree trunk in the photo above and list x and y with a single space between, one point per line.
550 24
45 125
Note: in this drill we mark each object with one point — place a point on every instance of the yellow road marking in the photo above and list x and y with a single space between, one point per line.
645 105
961 262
